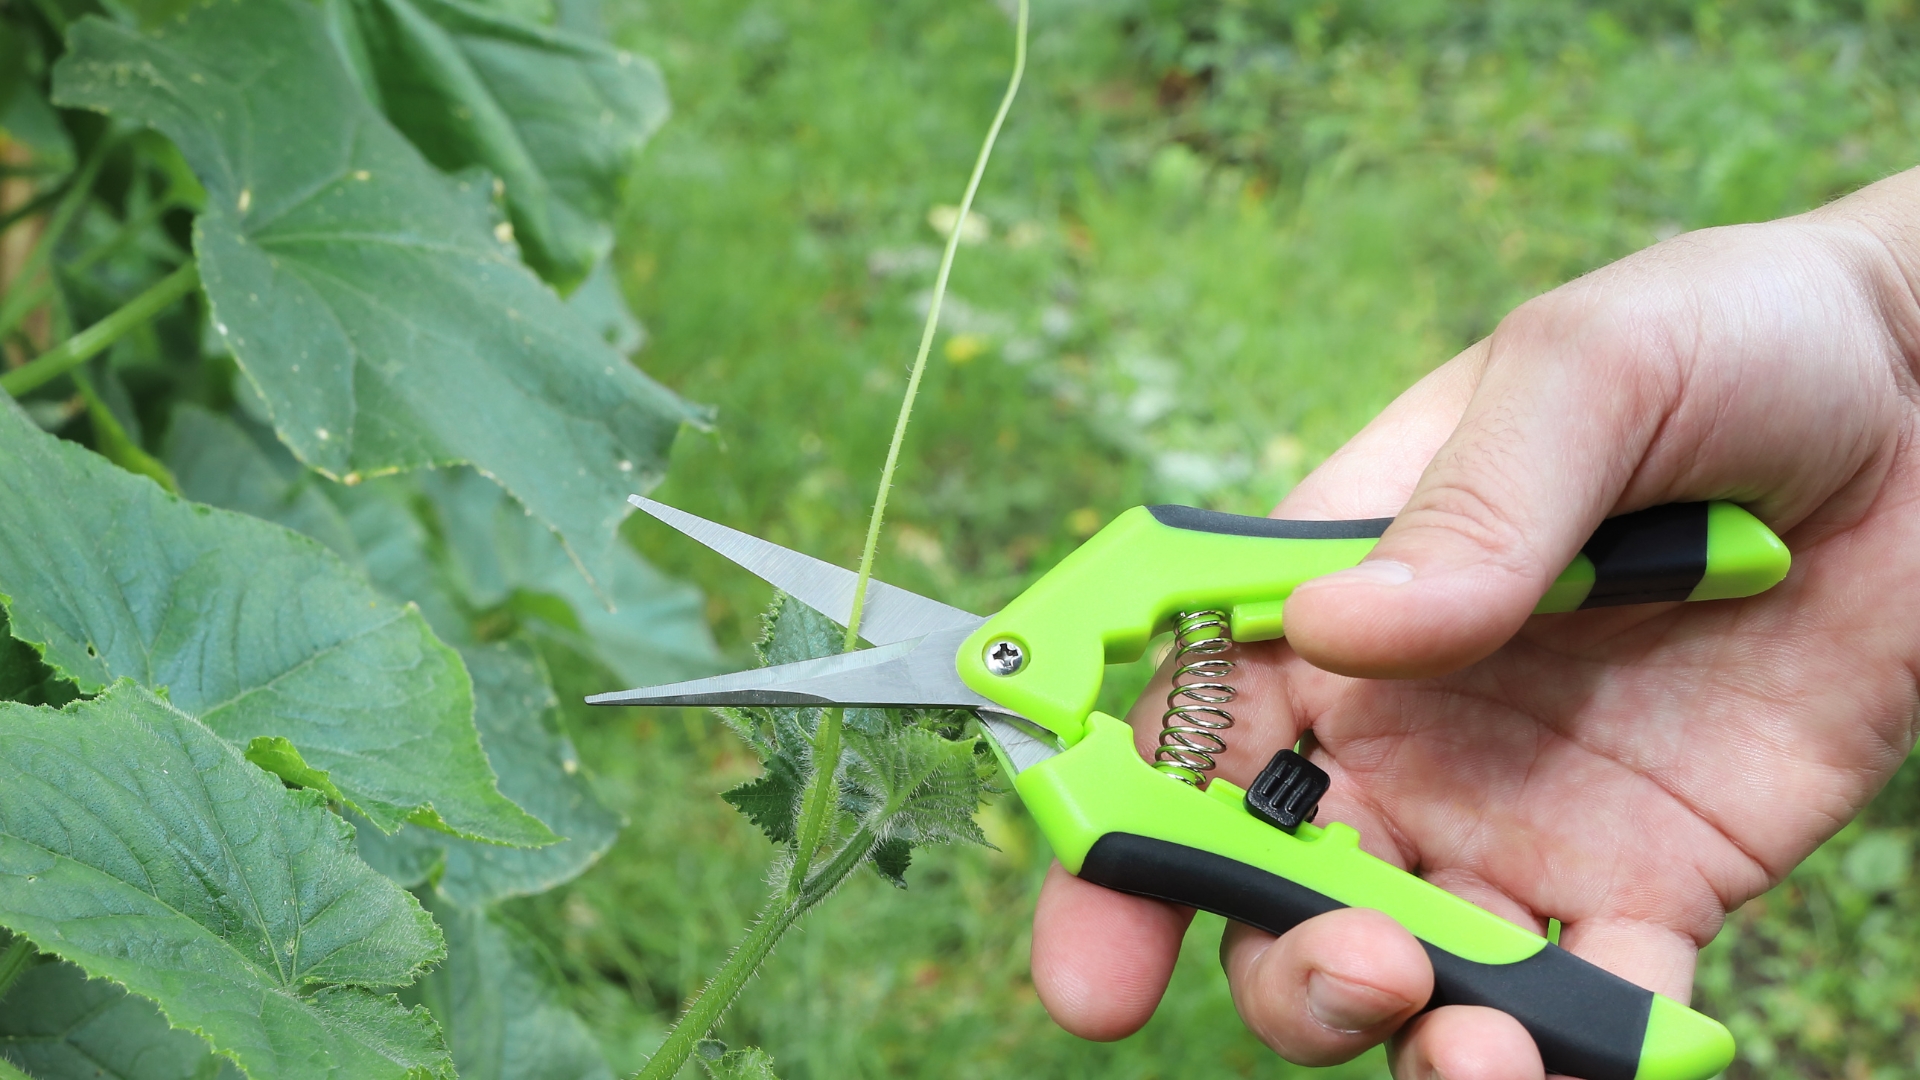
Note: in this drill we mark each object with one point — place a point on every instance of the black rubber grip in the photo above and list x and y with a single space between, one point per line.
1648 556
1587 1022
1639 558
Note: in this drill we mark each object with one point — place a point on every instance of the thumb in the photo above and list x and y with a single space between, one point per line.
1568 401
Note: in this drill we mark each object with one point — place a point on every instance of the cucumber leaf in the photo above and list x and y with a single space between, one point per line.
254 629
214 461
494 999
141 846
57 1024
558 117
221 461
319 215
518 719
501 558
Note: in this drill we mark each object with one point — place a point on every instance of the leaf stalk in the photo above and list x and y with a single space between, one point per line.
88 343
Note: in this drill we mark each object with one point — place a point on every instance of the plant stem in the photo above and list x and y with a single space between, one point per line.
82 346
779 913
819 800
844 862
16 959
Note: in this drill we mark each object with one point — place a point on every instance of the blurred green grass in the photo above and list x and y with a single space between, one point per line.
1220 237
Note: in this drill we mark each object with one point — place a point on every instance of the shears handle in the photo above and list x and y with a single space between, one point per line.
1113 820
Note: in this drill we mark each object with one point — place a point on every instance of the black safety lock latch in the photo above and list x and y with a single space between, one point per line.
1287 792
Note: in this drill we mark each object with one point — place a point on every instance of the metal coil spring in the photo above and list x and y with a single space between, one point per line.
1190 728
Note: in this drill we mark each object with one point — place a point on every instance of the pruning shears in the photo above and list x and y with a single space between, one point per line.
1031 674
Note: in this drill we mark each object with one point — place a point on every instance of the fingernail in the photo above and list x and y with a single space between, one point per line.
1371 572
1349 1007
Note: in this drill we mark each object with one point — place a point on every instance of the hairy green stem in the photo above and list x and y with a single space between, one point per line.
779 913
84 345
15 960
819 800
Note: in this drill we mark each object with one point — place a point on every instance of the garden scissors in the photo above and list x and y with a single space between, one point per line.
1032 671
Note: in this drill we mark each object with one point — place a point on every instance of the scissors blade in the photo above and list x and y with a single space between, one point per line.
891 614
913 674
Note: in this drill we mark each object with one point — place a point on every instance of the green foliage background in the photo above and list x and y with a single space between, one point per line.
1220 236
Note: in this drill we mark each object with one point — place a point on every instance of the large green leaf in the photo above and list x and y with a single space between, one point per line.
558 117
215 462
495 556
518 720
657 631
142 847
256 630
495 1003
363 293
57 1024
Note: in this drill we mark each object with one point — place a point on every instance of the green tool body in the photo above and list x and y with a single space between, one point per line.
1031 673
1114 819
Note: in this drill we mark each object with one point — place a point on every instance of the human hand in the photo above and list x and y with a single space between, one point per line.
1634 772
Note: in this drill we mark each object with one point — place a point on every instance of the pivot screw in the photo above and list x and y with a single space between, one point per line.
1004 658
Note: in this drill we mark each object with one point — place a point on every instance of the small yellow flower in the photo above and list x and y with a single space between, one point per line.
964 347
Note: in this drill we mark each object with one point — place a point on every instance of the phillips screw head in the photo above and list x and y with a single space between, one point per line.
1004 657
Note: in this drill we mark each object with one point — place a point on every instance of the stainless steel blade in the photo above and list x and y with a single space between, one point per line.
891 614
906 673
1024 743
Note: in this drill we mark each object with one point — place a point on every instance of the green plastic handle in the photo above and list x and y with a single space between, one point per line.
1115 820
1103 603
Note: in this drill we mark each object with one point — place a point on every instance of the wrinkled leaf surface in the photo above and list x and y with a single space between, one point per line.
142 847
320 218
519 726
558 117
255 630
